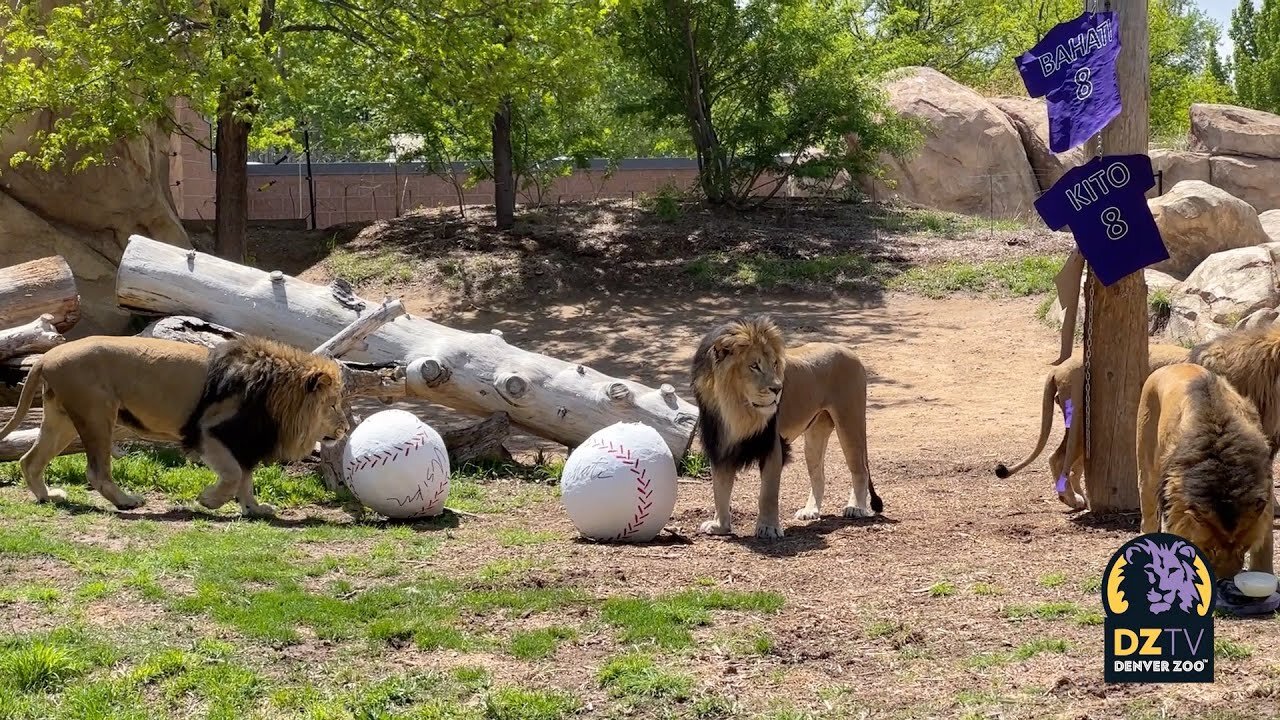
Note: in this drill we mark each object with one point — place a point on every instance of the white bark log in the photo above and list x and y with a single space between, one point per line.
31 289
18 442
37 336
476 373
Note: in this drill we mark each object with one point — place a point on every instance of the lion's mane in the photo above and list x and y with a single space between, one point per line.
733 436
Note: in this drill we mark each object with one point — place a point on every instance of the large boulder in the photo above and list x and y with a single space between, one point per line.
1231 130
1197 220
87 216
1224 292
1176 166
1270 221
1254 180
1031 119
971 159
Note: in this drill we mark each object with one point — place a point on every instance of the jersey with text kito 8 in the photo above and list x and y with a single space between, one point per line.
1104 202
1074 67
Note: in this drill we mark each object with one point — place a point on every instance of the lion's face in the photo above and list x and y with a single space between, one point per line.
323 390
749 360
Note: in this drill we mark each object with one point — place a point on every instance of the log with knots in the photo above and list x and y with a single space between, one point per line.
475 373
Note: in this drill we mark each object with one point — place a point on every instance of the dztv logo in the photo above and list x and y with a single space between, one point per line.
1158 598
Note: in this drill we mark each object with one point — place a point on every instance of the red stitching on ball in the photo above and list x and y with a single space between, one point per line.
381 457
644 492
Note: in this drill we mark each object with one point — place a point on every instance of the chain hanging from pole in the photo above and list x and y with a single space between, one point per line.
1090 299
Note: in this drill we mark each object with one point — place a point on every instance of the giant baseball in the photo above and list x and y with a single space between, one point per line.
620 484
397 465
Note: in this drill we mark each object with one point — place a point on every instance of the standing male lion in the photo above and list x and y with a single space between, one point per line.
748 413
1204 467
247 401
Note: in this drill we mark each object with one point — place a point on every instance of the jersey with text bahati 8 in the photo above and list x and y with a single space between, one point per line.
1074 68
1104 202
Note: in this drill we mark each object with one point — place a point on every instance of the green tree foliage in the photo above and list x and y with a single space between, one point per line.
1256 64
757 83
108 69
976 42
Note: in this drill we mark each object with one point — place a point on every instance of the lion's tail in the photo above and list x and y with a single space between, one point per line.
1046 422
24 400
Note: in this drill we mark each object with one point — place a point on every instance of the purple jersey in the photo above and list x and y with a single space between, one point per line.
1074 67
1104 202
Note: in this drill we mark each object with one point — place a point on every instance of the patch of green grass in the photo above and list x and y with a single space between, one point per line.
1227 649
471 486
1052 580
1159 302
1032 648
1026 651
665 621
1046 304
1044 611
37 594
379 265
695 465
1018 278
168 471
767 271
1088 618
1091 584
541 643
882 628
520 537
636 676
937 222
985 589
37 666
511 703
945 588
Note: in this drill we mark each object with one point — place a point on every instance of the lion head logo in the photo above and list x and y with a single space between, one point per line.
1165 571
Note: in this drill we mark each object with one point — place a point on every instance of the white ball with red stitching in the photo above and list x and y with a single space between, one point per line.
620 484
397 465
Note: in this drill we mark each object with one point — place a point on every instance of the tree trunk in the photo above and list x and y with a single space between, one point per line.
713 172
39 287
504 180
472 372
1115 331
37 336
231 207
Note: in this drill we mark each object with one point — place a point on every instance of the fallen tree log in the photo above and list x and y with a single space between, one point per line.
472 372
37 336
39 287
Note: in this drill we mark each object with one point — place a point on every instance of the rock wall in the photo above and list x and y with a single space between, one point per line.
87 216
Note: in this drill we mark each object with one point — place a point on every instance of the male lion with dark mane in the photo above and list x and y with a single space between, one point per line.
1204 467
1065 384
247 401
755 397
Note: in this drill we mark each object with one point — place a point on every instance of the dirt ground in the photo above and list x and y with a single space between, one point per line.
970 597
955 388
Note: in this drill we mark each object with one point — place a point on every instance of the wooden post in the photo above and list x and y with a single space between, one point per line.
1115 330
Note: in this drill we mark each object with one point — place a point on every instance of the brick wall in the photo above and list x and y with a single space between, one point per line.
362 192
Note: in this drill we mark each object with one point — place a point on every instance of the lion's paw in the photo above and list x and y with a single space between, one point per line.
261 510
210 499
1072 500
765 531
853 511
711 527
130 502
808 513
54 495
